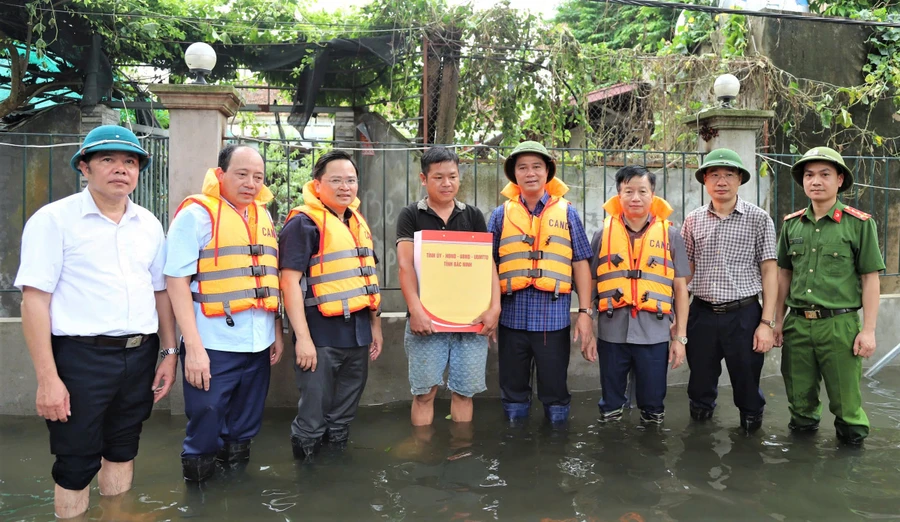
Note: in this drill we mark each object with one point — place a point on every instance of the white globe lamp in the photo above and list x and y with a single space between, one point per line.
726 88
200 59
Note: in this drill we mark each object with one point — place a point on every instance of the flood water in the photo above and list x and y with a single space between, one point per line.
681 471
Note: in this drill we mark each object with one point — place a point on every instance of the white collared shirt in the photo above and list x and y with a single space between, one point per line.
102 274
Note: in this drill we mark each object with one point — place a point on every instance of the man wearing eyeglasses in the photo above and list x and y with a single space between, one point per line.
731 247
331 297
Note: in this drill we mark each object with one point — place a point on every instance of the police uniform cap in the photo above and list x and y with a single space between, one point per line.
823 154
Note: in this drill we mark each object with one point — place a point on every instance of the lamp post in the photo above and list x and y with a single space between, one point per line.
200 59
726 89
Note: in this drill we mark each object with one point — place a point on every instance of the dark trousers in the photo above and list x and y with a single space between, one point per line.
713 336
330 395
548 351
110 397
650 364
232 409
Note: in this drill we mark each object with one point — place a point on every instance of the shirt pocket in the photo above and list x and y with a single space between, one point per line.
797 255
836 258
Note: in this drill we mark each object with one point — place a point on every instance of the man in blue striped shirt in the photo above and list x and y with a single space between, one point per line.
542 252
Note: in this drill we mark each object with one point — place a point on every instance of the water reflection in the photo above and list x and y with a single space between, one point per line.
488 470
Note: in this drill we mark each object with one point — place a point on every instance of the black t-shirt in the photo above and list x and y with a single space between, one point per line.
297 243
419 216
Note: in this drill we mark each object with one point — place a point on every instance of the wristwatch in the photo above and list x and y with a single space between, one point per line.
682 340
589 311
770 324
168 351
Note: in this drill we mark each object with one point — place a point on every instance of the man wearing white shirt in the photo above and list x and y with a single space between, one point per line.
93 300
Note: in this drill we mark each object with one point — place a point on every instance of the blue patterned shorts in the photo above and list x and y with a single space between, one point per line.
429 355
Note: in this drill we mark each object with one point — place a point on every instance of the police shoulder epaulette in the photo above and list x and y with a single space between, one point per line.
858 214
795 214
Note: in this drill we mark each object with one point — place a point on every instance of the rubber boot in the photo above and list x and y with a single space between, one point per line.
751 423
700 414
557 414
304 449
234 452
199 468
516 412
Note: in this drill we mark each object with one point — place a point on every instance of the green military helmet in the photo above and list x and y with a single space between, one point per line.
823 154
113 138
530 147
723 158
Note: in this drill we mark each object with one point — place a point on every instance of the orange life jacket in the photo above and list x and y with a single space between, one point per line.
342 273
238 269
536 250
638 274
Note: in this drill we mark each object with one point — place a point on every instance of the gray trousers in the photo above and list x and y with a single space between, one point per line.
330 395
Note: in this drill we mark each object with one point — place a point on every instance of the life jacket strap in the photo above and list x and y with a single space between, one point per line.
251 250
254 271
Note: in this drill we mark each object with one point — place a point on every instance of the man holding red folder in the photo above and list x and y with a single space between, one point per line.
430 352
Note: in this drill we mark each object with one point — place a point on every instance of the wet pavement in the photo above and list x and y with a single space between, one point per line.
622 472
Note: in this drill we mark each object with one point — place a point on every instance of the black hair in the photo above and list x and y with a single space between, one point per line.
437 155
227 152
328 157
626 173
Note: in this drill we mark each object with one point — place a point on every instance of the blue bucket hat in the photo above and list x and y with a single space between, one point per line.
111 137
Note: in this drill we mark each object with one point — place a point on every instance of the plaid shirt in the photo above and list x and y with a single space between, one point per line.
726 253
532 309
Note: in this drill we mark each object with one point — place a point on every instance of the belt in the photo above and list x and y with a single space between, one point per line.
820 313
117 341
730 306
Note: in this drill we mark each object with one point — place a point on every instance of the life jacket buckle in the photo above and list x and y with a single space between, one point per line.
256 271
256 250
371 289
363 252
535 272
536 254
651 262
529 240
645 297
616 260
366 270
262 292
633 274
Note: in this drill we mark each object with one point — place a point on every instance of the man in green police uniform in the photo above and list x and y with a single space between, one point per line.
828 261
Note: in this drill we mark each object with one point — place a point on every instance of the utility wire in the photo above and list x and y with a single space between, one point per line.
760 14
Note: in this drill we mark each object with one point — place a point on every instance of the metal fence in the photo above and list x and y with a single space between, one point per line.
390 180
36 167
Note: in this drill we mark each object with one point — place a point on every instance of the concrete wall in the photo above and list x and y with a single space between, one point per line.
31 178
388 377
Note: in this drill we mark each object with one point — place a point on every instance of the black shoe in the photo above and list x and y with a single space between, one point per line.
198 469
751 423
850 439
701 414
304 449
337 437
652 418
234 452
805 428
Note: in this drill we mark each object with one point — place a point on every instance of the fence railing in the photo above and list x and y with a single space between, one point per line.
35 168
390 180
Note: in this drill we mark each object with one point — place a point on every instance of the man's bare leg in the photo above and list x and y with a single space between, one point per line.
423 408
461 408
69 503
115 477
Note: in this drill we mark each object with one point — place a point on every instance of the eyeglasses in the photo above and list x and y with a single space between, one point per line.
337 182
